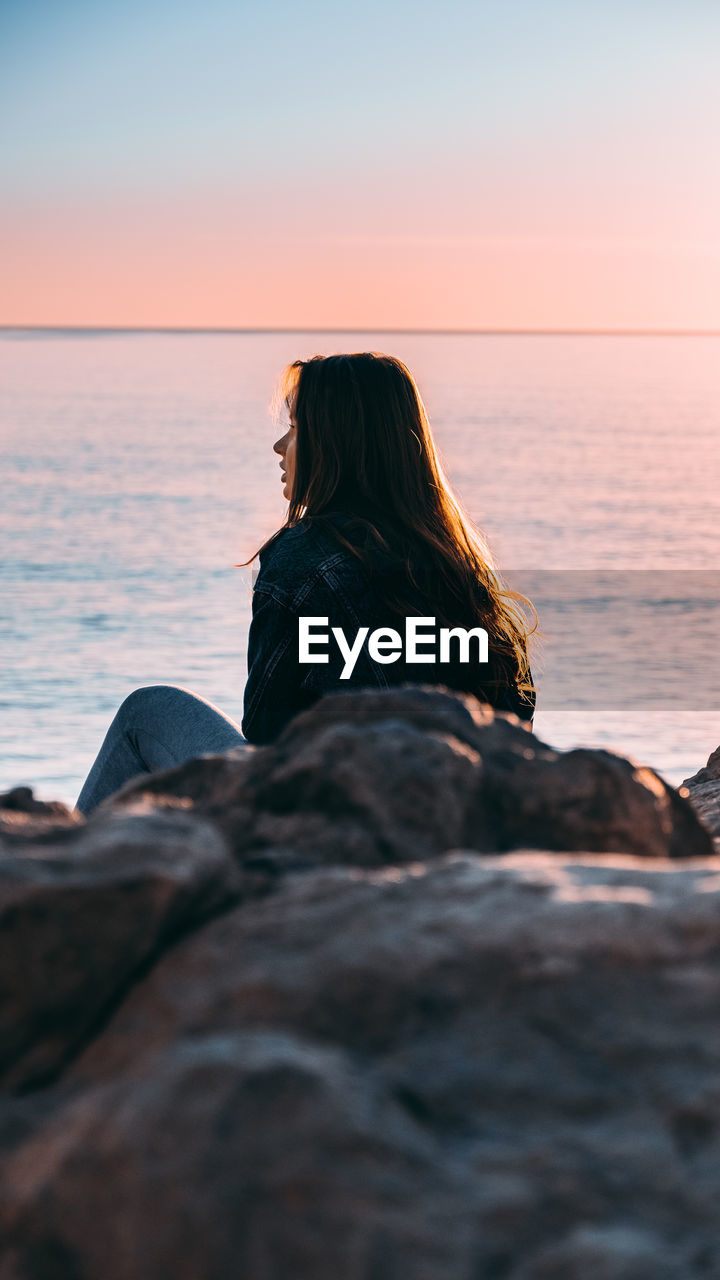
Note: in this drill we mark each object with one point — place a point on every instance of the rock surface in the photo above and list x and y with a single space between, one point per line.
401 775
373 1002
82 910
704 792
22 815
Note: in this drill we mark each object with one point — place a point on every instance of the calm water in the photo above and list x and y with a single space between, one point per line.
137 469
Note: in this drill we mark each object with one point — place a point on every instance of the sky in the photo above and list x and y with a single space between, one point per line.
464 164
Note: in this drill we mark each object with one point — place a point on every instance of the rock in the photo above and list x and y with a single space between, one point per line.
253 1155
82 910
501 1064
22 800
703 790
711 771
368 959
21 814
615 1252
327 1008
389 776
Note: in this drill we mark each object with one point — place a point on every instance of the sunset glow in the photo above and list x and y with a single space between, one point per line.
514 166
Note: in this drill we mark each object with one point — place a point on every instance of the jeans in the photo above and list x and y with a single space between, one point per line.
156 728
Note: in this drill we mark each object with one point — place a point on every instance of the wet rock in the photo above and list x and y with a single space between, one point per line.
375 777
82 910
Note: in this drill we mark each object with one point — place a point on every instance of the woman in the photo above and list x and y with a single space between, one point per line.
373 538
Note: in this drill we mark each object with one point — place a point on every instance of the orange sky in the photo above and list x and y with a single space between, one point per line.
186 167
113 273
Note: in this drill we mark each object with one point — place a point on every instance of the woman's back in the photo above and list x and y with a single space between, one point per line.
307 573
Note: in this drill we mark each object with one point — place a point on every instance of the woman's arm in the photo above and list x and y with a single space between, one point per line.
272 693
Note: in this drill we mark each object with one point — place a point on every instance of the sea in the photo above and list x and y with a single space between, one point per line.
138 471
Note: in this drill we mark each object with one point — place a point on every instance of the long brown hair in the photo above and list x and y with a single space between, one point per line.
364 447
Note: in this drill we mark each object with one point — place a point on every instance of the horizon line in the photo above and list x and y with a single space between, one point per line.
222 329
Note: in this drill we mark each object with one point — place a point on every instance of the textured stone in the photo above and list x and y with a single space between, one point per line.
252 1155
364 959
22 815
82 910
710 772
703 790
615 1252
384 776
389 1035
536 1034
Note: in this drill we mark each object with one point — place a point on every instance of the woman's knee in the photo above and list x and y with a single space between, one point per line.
147 702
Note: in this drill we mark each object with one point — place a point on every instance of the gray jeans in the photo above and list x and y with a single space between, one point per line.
156 728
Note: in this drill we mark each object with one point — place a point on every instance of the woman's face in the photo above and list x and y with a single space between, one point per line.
285 446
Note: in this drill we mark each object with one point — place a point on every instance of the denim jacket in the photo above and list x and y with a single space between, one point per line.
306 573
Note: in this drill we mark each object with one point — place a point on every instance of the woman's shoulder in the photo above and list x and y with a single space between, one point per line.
305 541
303 551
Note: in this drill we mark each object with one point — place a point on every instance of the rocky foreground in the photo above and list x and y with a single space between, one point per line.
406 995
